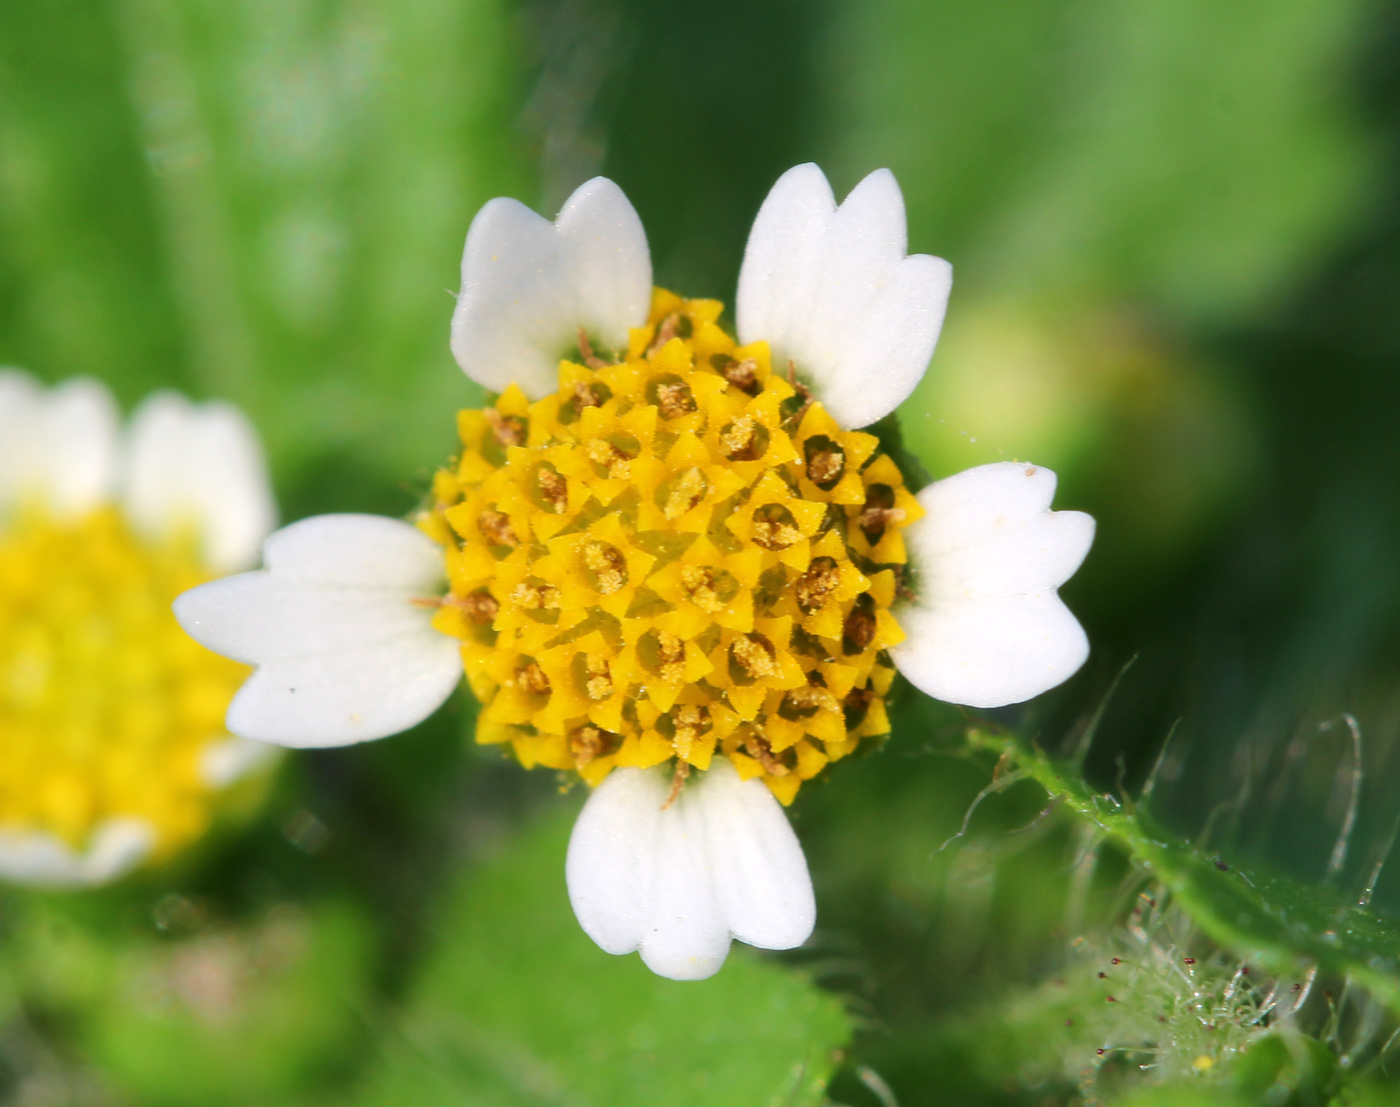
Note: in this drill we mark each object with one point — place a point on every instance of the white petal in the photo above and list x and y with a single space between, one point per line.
58 445
228 761
80 429
200 466
19 399
37 857
343 653
18 393
830 287
988 628
720 863
528 285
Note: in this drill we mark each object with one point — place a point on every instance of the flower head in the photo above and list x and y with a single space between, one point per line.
679 518
114 739
670 560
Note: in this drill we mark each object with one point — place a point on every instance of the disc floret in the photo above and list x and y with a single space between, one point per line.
108 709
679 553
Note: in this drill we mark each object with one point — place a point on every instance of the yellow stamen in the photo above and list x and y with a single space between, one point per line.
106 706
670 657
699 583
599 685
588 742
607 566
686 491
531 596
690 559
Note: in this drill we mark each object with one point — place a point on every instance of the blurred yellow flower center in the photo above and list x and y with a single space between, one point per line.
107 708
679 553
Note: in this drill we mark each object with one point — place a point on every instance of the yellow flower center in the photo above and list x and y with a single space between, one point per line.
678 553
106 706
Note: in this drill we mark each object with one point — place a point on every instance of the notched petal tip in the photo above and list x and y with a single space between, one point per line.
993 654
356 551
57 445
361 695
831 288
528 285
801 191
679 882
988 628
201 465
599 206
339 627
697 959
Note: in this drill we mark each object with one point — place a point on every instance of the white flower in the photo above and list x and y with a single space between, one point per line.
99 529
343 611
343 652
677 881
528 285
988 628
831 288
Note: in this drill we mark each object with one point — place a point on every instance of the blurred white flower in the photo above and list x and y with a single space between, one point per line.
672 562
112 719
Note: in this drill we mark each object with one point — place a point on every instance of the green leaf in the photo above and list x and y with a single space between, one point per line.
1291 1071
1279 923
517 1006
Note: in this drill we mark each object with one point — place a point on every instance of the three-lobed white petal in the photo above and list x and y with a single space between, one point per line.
338 624
528 285
200 466
679 883
36 857
988 628
58 446
831 288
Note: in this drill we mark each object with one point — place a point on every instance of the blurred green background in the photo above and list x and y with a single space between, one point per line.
1175 228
